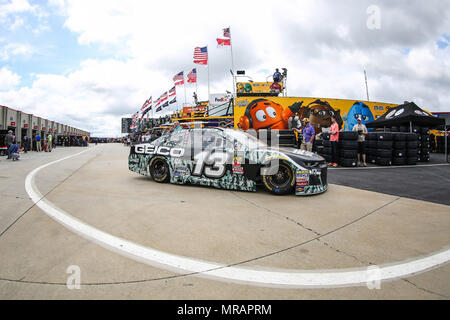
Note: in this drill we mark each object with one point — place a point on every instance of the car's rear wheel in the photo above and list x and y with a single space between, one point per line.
280 181
159 169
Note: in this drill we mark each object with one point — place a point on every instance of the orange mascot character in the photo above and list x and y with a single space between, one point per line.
265 114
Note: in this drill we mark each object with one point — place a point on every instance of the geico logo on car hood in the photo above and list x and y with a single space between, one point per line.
161 150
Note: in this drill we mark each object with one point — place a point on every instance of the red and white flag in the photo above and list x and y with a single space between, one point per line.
223 42
163 97
179 78
172 92
201 55
192 76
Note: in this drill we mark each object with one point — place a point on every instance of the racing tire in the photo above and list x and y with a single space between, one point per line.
282 182
411 160
399 144
348 154
372 136
348 162
403 129
411 153
159 169
395 129
411 145
384 136
399 161
327 150
411 137
384 161
382 153
384 145
425 131
372 144
399 153
326 143
398 136
349 145
348 135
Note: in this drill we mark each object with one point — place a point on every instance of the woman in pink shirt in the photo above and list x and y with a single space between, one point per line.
334 138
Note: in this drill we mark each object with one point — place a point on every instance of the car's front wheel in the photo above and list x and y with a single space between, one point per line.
159 169
281 180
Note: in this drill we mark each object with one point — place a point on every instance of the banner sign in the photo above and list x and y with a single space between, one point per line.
274 112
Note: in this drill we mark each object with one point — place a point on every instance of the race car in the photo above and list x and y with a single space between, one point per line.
228 159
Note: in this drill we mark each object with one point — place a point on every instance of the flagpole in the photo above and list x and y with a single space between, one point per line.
207 54
185 100
232 61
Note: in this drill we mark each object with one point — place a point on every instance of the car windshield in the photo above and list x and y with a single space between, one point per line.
245 138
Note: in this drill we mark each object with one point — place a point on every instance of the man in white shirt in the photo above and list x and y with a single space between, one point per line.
362 131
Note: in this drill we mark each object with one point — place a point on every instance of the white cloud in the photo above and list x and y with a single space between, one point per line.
15 49
15 6
18 22
8 79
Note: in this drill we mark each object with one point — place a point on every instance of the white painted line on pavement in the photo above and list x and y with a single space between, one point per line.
390 167
256 276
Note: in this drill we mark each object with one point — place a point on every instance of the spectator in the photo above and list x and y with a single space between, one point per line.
334 138
15 152
177 126
308 133
9 143
50 143
362 131
277 76
38 143
26 144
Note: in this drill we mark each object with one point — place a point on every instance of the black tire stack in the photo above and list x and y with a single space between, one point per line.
371 147
323 147
399 149
423 147
411 148
348 148
384 149
440 144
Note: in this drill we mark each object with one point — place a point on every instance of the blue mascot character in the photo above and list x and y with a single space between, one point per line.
359 110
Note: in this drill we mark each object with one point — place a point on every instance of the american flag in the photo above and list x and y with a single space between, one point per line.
226 32
163 97
192 76
146 104
179 78
166 104
173 92
173 100
157 102
201 55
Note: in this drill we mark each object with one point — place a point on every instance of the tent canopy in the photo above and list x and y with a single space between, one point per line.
404 114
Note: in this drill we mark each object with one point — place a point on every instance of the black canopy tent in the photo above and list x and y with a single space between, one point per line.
409 114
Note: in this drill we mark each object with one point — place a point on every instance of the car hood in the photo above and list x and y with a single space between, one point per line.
302 155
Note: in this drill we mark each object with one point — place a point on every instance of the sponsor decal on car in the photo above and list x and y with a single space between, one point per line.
181 171
160 150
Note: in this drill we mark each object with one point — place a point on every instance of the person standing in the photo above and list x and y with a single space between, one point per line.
38 143
26 144
334 138
362 132
50 143
277 76
308 133
9 143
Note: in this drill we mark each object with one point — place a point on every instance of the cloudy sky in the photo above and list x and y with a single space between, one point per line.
89 63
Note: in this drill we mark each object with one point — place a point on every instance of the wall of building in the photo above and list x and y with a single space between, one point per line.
27 124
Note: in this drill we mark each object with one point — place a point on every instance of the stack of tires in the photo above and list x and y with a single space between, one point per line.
423 145
411 148
384 148
323 147
399 149
440 144
348 148
371 147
